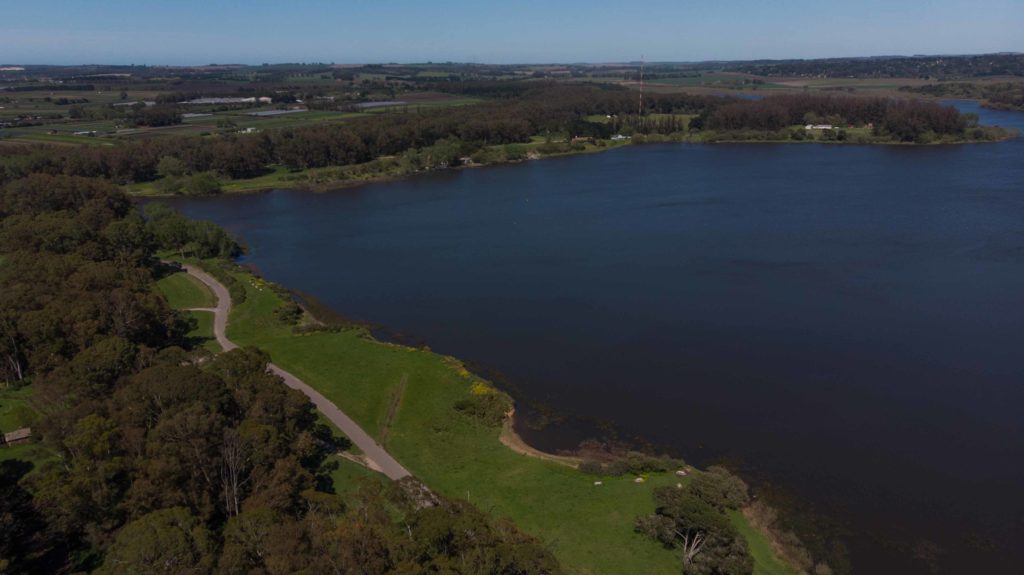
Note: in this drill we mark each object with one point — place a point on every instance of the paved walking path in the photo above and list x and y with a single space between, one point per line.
376 455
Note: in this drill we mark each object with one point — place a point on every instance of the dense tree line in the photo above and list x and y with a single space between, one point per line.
1000 95
51 87
941 67
904 120
156 116
166 461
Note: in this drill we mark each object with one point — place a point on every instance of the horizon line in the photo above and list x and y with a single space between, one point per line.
536 63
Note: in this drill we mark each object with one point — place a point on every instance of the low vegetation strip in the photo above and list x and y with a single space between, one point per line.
765 560
396 401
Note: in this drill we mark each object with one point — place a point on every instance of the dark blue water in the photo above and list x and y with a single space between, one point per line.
845 321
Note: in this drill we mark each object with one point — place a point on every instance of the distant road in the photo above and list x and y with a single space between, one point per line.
378 458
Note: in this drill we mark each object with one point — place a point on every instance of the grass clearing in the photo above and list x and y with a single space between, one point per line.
15 413
31 452
588 527
348 476
202 335
14 408
184 291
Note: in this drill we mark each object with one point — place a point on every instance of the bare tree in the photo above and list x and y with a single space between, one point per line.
12 351
233 471
693 542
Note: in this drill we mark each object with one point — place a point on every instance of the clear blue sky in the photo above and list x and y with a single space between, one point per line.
511 31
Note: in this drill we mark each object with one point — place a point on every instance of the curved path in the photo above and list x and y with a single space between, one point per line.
377 458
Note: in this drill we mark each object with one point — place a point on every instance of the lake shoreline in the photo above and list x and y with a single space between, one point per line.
237 187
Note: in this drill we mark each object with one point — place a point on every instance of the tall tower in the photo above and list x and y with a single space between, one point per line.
640 109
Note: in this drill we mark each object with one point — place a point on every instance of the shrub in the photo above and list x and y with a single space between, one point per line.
488 408
642 463
289 313
553 148
720 489
203 183
515 152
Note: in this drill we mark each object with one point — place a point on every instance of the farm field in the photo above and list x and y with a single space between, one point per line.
47 117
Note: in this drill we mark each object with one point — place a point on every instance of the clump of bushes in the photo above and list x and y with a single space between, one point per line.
720 489
632 462
487 408
288 313
189 238
592 467
515 152
554 148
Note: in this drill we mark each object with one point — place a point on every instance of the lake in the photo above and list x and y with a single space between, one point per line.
841 321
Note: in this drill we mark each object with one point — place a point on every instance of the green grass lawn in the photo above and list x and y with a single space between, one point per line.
589 527
349 476
202 335
184 291
32 452
13 407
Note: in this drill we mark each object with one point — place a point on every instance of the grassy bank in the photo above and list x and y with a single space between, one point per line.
765 560
405 397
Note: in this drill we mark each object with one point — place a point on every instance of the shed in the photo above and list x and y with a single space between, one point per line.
18 436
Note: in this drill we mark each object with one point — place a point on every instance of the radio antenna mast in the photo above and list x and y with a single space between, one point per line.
640 110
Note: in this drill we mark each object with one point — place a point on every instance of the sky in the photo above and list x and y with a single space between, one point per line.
191 32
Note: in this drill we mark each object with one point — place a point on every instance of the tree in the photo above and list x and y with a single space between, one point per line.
165 541
170 167
708 543
719 488
202 184
156 116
